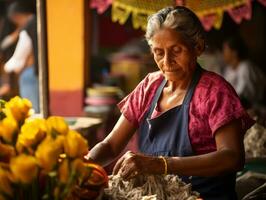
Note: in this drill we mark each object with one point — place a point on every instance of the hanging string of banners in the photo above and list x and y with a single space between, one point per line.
210 12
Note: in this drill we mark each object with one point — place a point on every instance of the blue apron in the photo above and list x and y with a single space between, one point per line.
167 135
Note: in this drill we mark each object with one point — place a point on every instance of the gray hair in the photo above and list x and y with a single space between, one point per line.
179 18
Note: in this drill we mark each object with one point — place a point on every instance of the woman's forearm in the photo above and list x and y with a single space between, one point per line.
211 164
106 151
101 154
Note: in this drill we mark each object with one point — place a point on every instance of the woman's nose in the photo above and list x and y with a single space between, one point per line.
167 60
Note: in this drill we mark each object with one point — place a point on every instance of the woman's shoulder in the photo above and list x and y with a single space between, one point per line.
154 76
216 100
211 87
212 77
212 82
152 79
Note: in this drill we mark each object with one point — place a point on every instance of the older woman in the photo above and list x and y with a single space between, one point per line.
190 121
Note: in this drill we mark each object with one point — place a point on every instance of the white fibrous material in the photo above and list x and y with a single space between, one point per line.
149 187
255 141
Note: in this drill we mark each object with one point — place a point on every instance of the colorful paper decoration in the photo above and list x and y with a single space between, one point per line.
210 12
100 5
241 12
140 10
263 2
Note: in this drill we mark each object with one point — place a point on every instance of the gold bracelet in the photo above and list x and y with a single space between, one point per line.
165 165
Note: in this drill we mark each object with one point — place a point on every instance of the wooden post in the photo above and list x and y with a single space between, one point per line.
67 38
42 57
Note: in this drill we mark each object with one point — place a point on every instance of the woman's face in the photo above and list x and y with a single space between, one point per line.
174 57
20 20
228 54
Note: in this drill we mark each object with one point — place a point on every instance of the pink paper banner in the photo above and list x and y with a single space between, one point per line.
208 21
263 2
241 12
100 5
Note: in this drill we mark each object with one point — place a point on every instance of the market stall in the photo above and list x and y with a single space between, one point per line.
44 156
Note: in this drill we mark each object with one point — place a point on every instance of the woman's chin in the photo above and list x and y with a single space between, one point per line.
173 76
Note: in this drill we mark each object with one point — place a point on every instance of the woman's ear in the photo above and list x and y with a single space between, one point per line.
200 47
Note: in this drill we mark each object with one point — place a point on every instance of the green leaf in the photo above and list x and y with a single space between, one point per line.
2 103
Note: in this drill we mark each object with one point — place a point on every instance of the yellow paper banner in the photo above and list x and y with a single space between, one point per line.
141 9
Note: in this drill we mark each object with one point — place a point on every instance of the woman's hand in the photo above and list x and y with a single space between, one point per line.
133 164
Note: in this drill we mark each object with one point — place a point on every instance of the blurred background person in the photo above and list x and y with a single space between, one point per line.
246 78
8 39
24 60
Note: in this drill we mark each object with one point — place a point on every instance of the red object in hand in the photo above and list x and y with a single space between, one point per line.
98 175
93 186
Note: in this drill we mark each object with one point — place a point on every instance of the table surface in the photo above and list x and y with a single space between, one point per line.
76 123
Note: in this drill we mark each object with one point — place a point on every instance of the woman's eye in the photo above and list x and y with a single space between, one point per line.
158 53
176 49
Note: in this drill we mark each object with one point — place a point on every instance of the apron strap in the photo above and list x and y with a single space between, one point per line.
156 97
193 84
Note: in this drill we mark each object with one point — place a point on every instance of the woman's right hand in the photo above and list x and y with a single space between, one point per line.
133 164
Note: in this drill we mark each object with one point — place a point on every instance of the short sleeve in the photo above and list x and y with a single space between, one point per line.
224 106
22 51
133 105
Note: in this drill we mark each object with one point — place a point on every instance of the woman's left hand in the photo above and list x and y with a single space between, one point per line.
132 164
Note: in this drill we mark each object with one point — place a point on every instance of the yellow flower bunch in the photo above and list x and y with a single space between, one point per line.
31 134
75 145
34 149
7 151
18 108
8 129
57 125
48 152
24 168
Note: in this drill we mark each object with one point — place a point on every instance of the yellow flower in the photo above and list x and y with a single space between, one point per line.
5 185
75 145
24 168
18 108
48 152
32 133
6 151
79 166
63 171
2 106
8 128
58 125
